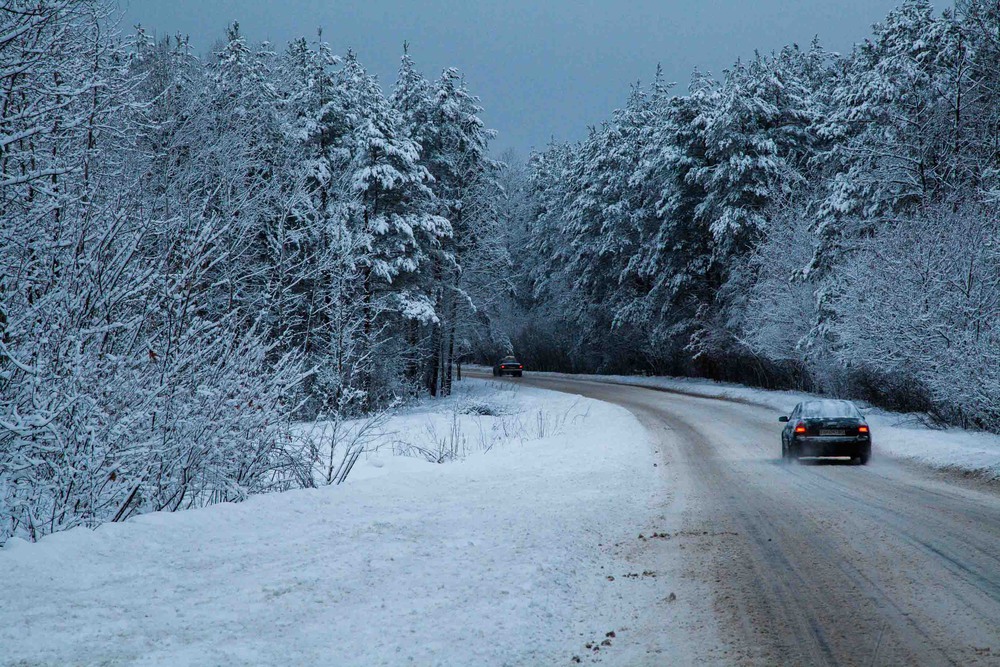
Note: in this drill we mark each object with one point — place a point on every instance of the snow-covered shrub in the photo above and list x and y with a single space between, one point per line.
481 408
193 253
920 308
136 373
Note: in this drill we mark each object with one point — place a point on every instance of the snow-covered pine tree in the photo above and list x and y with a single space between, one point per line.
455 149
411 99
321 251
758 138
892 126
675 255
394 208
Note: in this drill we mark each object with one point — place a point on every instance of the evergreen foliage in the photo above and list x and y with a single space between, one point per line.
765 227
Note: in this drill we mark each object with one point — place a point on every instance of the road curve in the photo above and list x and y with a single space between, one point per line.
809 564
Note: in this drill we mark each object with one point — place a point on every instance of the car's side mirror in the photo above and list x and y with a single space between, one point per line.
782 419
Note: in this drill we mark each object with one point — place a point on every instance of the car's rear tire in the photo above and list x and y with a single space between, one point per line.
517 375
864 458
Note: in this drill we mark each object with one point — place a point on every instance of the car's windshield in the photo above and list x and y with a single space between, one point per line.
829 409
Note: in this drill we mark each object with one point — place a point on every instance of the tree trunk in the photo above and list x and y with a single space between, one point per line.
436 333
450 350
432 375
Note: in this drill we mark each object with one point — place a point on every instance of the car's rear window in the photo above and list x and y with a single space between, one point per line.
829 409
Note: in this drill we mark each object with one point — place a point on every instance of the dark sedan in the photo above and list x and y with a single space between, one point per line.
823 428
508 366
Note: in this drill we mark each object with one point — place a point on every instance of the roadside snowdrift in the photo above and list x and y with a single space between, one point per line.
494 559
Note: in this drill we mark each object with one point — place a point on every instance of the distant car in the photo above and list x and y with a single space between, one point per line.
508 366
824 428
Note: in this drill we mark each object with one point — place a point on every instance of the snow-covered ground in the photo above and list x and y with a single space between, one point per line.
905 436
502 557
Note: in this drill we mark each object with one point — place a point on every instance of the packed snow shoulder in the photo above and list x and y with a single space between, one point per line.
498 557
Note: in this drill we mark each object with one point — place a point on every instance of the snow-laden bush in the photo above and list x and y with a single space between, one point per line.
193 252
920 304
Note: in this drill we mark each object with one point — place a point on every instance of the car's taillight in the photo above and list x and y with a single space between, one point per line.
800 428
863 428
519 366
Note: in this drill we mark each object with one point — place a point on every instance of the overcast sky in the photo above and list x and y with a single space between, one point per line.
543 68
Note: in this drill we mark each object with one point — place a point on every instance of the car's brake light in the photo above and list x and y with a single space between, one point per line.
519 366
800 428
863 428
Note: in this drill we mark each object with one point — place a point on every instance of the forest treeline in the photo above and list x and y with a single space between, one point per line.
806 220
197 252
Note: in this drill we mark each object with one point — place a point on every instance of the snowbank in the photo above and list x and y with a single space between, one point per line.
494 559
904 436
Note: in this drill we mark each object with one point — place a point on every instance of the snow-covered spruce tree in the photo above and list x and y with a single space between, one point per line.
393 207
455 150
620 214
764 300
329 252
411 99
676 254
758 140
443 119
321 251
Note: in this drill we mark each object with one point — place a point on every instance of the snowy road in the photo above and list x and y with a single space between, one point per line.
811 564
